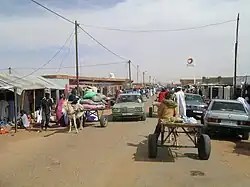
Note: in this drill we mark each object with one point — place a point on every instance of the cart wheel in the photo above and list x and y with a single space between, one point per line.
144 117
150 112
204 147
152 146
104 121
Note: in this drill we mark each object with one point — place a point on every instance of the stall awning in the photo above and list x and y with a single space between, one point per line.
26 83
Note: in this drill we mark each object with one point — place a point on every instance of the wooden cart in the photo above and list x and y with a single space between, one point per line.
193 131
100 116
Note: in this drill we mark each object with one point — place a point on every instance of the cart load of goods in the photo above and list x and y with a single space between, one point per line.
180 120
93 100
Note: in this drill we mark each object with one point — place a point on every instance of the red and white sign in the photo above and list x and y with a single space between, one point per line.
190 61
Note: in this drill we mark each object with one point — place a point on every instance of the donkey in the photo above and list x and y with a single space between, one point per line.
74 112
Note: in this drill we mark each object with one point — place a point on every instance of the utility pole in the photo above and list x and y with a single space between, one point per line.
137 75
129 73
77 63
10 70
149 79
236 52
143 78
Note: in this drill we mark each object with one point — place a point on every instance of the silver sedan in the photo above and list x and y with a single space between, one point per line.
228 116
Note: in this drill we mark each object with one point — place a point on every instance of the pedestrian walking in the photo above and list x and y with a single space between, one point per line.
46 105
180 99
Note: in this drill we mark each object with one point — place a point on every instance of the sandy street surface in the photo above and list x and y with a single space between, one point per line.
116 156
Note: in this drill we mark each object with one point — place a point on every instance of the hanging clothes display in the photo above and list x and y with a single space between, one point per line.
3 110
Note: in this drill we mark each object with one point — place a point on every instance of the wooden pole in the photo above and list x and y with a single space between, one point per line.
34 100
77 63
15 108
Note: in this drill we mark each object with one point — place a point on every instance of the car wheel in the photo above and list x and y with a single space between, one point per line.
245 136
202 119
150 113
104 121
144 117
114 118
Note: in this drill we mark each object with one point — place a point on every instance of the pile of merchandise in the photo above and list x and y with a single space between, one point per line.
93 100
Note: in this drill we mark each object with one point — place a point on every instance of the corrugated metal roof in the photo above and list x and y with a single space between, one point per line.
28 83
6 87
59 82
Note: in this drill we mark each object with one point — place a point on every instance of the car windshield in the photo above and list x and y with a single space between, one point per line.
128 98
193 98
227 106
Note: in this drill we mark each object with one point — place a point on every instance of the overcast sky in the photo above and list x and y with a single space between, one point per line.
30 36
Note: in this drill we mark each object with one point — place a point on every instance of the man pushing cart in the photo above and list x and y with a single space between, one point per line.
169 121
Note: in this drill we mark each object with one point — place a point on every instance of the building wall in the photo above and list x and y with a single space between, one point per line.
189 81
217 80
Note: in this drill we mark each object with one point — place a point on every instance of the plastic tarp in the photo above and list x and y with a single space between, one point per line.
26 83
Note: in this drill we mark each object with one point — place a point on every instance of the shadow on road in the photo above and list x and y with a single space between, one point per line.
193 156
141 155
242 148
225 137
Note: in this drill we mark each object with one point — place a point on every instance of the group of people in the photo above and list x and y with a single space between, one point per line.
172 104
46 106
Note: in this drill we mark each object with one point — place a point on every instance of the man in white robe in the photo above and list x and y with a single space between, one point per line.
180 99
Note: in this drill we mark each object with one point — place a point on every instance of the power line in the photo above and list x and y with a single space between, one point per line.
159 30
93 38
98 42
45 64
71 67
131 30
53 12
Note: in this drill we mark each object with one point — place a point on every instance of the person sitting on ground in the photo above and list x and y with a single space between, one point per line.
166 111
23 121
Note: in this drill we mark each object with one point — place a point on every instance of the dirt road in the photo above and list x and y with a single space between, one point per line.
116 156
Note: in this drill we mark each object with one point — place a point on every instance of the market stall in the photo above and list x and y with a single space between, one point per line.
7 111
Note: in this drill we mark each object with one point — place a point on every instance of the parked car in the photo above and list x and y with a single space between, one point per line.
129 106
228 116
195 105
